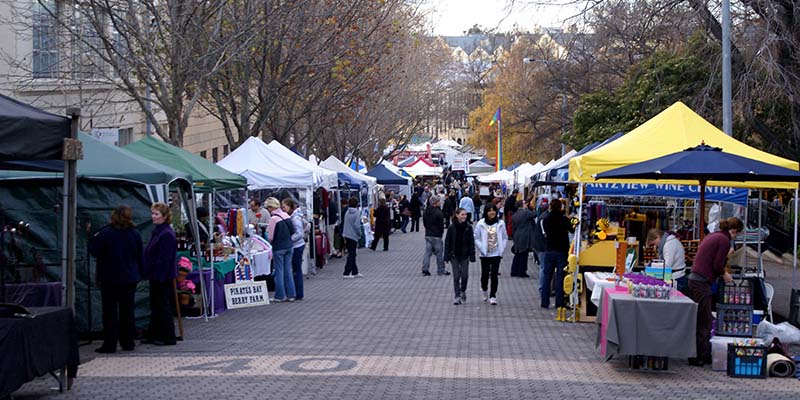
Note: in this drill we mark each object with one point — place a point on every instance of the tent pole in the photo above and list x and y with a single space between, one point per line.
701 223
198 249
760 259
211 223
746 208
69 211
794 248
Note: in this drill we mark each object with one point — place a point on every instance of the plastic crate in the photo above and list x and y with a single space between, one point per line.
747 361
734 320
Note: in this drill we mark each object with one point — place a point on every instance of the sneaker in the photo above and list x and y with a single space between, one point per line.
358 276
348 276
444 273
484 295
426 273
457 301
290 299
493 301
274 300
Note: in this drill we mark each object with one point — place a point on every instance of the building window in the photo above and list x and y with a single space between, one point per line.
203 154
45 39
215 154
225 150
125 136
85 63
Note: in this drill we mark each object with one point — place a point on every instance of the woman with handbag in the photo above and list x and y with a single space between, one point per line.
405 212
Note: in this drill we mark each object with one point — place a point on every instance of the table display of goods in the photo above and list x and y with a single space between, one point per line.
747 358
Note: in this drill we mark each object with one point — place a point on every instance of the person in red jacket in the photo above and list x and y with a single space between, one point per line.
708 266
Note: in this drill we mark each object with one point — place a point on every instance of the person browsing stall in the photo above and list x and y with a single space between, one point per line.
709 265
280 232
670 249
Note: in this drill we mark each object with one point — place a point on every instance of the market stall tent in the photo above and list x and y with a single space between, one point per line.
390 180
263 169
422 167
133 180
206 176
285 156
30 134
672 130
332 163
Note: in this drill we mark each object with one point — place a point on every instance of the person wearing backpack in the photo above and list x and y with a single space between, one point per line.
280 233
301 230
459 251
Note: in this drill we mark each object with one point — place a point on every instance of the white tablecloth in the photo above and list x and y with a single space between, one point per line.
261 263
596 281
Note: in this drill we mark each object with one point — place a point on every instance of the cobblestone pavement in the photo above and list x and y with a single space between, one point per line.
392 334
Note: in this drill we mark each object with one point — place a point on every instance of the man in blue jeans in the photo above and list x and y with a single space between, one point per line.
556 231
433 220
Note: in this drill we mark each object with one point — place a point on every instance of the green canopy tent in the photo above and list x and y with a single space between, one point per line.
107 176
207 177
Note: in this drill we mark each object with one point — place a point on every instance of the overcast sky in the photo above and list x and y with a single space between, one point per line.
453 17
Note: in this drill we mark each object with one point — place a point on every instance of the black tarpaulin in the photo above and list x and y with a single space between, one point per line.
44 132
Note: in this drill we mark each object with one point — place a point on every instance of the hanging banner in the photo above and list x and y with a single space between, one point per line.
461 164
713 193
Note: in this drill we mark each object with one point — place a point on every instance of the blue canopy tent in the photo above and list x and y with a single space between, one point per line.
391 180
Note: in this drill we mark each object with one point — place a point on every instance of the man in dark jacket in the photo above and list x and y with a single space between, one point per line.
556 231
509 207
382 225
433 220
524 220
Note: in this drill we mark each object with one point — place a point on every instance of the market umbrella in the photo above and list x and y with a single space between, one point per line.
703 163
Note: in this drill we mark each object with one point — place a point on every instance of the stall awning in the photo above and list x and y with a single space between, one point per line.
205 174
673 130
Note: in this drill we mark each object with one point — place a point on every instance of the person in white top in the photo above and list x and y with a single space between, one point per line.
490 242
670 249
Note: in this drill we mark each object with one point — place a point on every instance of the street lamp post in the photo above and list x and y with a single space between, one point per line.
563 89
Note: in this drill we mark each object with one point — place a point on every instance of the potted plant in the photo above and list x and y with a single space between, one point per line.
186 287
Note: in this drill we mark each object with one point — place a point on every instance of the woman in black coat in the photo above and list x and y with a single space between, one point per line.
118 249
449 207
416 211
383 225
160 268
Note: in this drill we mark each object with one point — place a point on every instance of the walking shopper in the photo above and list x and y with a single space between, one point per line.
433 219
708 266
524 219
118 249
351 231
382 225
556 231
490 241
405 212
280 233
468 205
159 267
301 230
477 203
459 251
538 233
449 207
416 212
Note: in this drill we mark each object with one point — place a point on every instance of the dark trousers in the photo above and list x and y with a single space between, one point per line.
519 265
378 235
460 268
162 308
447 220
350 267
119 322
490 266
297 270
415 224
700 292
553 262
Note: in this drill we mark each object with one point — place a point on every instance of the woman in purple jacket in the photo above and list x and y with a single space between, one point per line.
160 268
708 266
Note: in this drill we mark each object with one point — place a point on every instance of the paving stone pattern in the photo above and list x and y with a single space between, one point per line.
392 334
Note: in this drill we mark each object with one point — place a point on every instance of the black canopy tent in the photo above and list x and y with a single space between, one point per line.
28 134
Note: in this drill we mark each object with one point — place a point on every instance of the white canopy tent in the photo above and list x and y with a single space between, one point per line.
332 163
264 169
499 176
286 156
525 171
420 168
